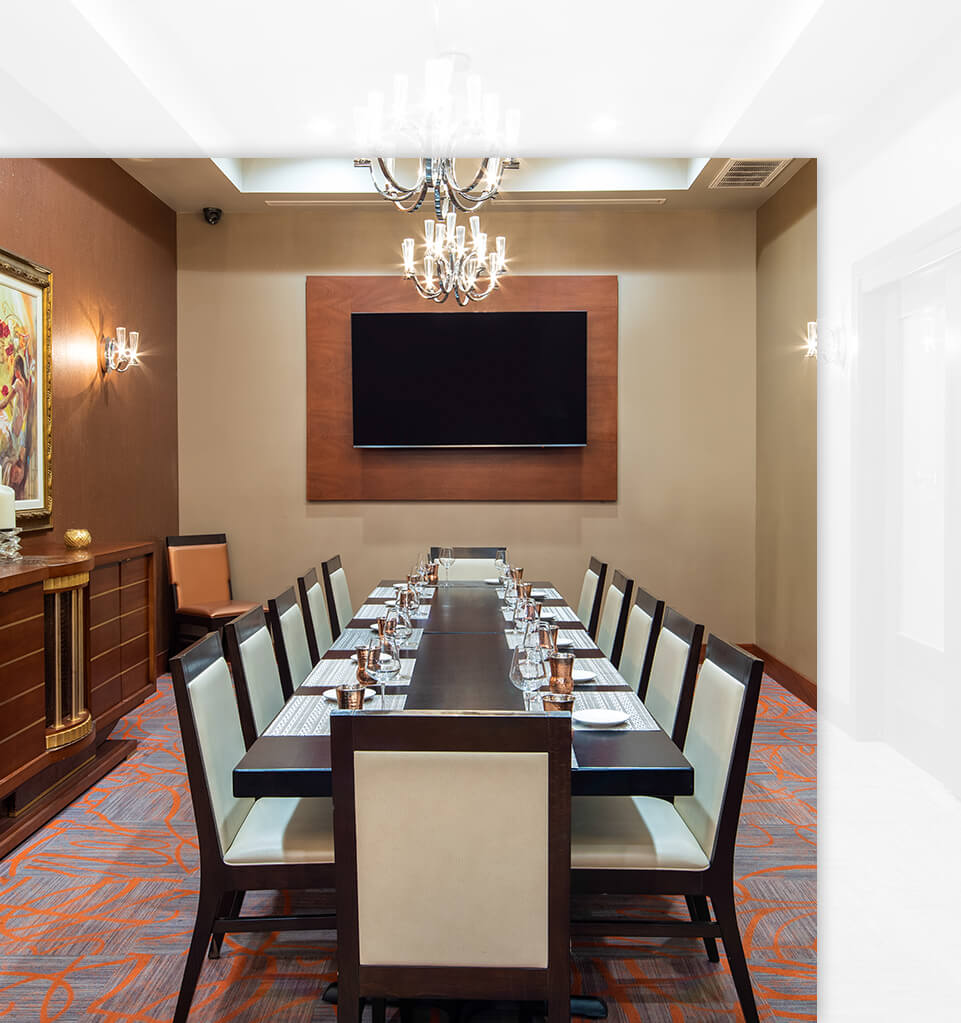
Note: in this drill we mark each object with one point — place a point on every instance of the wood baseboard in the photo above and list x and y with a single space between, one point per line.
794 682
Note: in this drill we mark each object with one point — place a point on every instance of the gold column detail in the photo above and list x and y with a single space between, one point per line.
68 719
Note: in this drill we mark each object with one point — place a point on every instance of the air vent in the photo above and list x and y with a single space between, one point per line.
748 173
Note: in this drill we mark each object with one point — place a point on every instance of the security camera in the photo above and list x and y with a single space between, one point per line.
212 214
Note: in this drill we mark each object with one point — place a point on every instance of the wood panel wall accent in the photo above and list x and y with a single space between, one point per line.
336 471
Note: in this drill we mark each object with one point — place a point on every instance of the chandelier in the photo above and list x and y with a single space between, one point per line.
451 266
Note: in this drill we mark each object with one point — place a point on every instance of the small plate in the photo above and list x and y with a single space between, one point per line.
565 644
600 718
548 614
331 694
388 660
580 675
538 593
493 582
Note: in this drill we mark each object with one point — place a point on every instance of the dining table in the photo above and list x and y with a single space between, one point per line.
459 660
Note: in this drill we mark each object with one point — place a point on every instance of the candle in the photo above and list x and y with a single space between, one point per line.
8 514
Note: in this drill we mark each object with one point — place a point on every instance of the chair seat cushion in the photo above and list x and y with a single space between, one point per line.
218 608
285 830
625 832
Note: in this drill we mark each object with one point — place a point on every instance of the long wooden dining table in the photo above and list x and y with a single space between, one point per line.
461 663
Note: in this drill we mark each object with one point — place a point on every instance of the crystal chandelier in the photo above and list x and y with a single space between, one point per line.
451 266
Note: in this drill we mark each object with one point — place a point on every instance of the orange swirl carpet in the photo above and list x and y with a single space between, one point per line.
96 909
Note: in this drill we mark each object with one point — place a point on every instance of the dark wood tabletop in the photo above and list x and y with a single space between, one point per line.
462 663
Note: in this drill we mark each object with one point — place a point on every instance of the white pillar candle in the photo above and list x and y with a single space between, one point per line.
8 513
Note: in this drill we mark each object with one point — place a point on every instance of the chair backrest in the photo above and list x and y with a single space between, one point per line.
260 693
339 606
290 640
670 687
199 568
592 596
613 623
481 848
314 609
471 564
718 746
213 743
640 638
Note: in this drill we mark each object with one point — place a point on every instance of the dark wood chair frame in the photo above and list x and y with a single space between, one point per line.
223 885
599 568
654 609
693 635
276 606
185 628
235 633
697 886
304 583
624 586
500 732
327 569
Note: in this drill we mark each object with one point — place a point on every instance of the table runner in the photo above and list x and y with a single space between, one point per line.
556 614
373 611
337 671
639 717
383 592
605 672
310 715
350 639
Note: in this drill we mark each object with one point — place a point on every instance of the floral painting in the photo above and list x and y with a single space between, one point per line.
25 406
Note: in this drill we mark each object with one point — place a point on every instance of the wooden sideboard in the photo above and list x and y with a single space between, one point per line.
77 653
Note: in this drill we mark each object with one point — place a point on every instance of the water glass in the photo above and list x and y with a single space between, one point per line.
383 663
446 558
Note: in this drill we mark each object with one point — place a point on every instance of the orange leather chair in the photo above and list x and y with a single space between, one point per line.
203 600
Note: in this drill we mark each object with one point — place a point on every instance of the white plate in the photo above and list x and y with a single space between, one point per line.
331 694
600 718
565 644
538 593
353 657
548 614
580 675
493 582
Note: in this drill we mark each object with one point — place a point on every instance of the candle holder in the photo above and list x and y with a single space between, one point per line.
10 544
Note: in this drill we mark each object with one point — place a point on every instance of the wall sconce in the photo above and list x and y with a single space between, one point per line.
118 354
811 351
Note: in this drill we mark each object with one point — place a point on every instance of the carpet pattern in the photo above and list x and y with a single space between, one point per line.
96 909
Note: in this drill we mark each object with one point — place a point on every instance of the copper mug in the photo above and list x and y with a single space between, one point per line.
524 590
386 626
351 696
517 574
547 637
362 654
433 573
562 672
557 703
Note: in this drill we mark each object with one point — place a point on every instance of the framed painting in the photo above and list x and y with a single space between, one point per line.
26 404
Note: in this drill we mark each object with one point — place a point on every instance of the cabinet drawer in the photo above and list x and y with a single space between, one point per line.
17 605
22 710
104 637
17 641
104 607
134 652
19 676
133 597
22 747
105 667
106 577
135 679
133 571
133 624
106 696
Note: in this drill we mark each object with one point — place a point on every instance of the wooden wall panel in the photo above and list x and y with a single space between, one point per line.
336 471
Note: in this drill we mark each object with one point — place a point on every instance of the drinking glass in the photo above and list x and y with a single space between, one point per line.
446 558
500 562
403 626
383 663
528 671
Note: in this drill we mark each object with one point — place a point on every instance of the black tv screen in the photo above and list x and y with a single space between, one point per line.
429 380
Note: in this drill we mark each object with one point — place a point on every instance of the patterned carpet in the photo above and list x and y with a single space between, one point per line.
96 909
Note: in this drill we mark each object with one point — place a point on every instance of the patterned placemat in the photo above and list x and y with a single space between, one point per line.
605 674
639 717
350 639
310 715
371 612
335 672
579 639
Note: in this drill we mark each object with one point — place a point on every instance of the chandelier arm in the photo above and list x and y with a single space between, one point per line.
481 172
415 205
393 183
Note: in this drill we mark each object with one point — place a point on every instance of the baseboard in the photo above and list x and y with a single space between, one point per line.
794 682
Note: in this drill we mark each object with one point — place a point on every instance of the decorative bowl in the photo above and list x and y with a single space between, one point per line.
77 538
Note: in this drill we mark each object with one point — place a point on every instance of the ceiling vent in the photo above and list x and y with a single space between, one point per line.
748 173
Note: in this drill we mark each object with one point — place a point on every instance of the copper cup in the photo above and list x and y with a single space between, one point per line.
562 672
547 637
362 653
351 697
517 574
385 627
433 573
556 703
524 590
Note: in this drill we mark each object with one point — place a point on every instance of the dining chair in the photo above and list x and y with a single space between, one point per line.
642 845
471 564
253 665
314 609
203 599
339 607
640 638
279 844
670 687
592 595
290 640
613 621
481 910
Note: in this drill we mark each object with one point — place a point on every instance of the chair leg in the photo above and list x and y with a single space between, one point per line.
230 906
699 911
378 1010
731 936
207 908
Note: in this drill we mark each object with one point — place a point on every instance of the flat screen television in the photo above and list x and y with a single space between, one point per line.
464 380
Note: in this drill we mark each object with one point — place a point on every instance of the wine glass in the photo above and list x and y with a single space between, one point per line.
446 558
500 562
528 670
383 663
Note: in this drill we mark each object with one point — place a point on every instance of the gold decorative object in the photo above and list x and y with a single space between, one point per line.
77 538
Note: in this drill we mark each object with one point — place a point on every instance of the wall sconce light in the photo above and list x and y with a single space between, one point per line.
811 351
118 354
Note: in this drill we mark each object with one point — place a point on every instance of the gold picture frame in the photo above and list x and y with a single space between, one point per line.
26 387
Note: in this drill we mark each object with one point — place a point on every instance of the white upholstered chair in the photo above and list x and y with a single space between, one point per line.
592 596
640 638
245 844
316 620
613 620
290 639
641 845
260 693
339 607
481 909
471 564
670 686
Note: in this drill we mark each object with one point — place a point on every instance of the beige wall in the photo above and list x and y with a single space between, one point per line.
787 425
684 523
